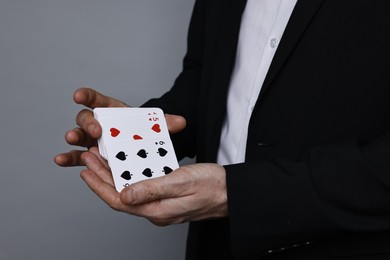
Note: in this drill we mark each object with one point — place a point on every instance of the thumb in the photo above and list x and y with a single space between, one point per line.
144 192
170 186
175 123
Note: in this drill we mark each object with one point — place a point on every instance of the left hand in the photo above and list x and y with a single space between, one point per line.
190 193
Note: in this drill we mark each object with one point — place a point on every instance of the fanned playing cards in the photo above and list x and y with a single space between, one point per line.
136 144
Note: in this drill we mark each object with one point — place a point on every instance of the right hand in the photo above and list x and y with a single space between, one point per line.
89 130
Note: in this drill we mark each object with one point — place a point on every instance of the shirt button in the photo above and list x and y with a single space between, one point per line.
274 42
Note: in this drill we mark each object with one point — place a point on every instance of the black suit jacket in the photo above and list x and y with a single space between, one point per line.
316 181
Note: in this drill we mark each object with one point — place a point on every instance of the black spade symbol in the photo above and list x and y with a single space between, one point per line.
167 170
142 153
147 172
126 175
121 156
162 152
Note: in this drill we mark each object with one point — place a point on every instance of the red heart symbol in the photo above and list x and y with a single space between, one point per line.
114 132
156 128
137 137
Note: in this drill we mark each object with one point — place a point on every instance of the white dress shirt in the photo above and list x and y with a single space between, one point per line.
262 26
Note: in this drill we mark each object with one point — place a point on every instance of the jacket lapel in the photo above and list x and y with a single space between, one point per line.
301 17
229 18
232 10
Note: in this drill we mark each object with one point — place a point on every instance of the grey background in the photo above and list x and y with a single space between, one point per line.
130 49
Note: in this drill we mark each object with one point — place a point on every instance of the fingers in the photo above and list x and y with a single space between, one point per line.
78 137
95 151
99 179
92 98
104 190
71 158
85 119
96 164
175 123
87 122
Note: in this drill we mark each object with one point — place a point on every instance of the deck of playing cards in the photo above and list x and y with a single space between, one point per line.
136 144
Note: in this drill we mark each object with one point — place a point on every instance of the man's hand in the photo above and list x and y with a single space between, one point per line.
88 130
190 193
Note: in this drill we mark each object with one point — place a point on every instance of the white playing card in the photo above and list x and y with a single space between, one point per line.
129 124
134 161
112 112
127 128
136 144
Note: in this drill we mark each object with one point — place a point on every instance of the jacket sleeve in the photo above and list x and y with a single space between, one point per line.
337 189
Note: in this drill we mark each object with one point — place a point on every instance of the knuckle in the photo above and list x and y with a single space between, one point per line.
83 173
82 116
79 155
152 191
91 97
93 149
76 160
